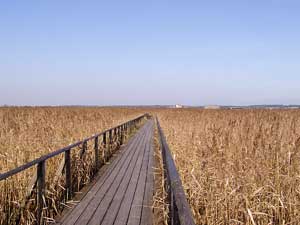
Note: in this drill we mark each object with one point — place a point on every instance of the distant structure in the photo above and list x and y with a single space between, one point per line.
212 107
236 107
178 106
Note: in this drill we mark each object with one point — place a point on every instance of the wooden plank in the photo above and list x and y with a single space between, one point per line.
124 210
123 153
125 206
112 171
147 212
136 207
117 189
73 215
107 195
92 206
132 174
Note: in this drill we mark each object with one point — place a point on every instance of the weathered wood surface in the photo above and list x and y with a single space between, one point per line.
123 194
179 209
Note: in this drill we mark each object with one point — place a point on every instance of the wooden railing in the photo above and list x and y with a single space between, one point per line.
179 209
108 137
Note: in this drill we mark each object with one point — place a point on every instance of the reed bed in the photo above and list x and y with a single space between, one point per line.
237 166
27 133
160 203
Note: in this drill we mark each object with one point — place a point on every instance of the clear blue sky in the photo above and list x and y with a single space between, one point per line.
150 52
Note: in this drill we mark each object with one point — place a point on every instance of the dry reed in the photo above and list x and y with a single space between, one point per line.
160 205
237 166
27 133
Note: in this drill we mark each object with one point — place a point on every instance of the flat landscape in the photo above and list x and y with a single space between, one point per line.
237 166
27 133
150 112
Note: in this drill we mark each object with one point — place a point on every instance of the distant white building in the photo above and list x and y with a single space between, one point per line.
178 106
212 107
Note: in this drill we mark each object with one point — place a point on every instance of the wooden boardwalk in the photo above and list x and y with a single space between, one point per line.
123 194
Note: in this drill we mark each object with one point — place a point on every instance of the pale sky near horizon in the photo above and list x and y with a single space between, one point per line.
231 52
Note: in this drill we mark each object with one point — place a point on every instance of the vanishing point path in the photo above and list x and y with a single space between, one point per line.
123 194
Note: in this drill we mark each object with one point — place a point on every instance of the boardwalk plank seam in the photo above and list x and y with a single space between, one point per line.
127 200
118 162
109 196
122 152
122 190
146 217
136 207
106 201
94 204
131 181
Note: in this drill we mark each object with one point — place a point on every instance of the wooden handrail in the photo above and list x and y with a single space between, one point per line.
40 178
19 169
179 209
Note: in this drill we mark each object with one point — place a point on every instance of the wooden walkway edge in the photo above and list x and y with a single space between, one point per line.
179 209
123 194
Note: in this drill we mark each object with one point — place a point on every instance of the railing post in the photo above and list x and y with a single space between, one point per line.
84 148
122 134
115 134
41 172
97 162
68 175
110 136
119 135
104 147
110 141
